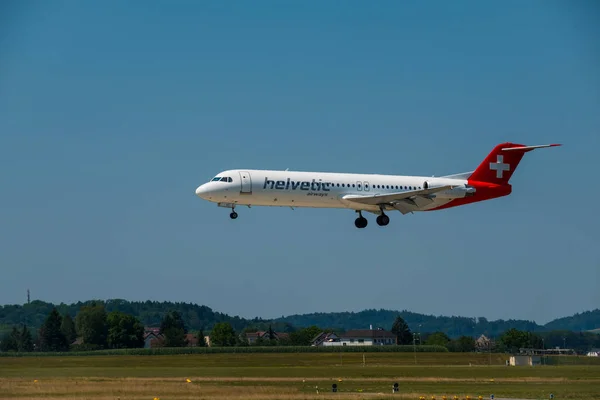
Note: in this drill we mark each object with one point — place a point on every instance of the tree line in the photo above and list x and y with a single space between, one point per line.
149 313
94 328
513 340
405 336
509 341
104 325
196 317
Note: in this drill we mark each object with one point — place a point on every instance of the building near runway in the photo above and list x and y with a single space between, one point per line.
520 360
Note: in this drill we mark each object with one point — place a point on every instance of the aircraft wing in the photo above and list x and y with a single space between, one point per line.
404 202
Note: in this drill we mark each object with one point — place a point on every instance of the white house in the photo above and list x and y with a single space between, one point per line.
363 337
593 353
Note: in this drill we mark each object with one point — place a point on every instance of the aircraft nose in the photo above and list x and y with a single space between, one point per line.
201 191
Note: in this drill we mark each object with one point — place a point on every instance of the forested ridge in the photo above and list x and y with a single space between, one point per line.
197 317
453 326
150 313
119 324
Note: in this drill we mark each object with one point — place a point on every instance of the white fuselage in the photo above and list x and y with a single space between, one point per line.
316 189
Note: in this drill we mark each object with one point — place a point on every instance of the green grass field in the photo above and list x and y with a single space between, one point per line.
291 376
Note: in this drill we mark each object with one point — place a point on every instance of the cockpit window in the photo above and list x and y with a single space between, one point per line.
221 179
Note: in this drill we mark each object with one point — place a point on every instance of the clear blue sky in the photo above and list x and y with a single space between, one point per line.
111 114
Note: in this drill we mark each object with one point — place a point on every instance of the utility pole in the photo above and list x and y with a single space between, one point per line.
28 298
415 346
543 351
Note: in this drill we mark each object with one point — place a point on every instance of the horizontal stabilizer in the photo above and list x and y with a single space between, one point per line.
529 148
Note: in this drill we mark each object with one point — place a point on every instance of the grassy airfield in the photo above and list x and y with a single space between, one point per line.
292 376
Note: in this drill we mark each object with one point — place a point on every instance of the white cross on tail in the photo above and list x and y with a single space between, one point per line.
499 166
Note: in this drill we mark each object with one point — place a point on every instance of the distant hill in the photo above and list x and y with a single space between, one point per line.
202 317
586 321
452 326
149 312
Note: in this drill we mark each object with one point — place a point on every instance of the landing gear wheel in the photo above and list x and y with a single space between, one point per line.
361 222
383 220
233 215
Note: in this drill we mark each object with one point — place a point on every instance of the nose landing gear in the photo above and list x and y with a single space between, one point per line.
233 215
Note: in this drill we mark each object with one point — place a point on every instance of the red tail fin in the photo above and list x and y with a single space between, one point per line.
502 162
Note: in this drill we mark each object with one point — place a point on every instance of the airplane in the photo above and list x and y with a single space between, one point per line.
372 193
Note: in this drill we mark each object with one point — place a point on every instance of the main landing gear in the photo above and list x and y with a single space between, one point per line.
383 220
361 222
